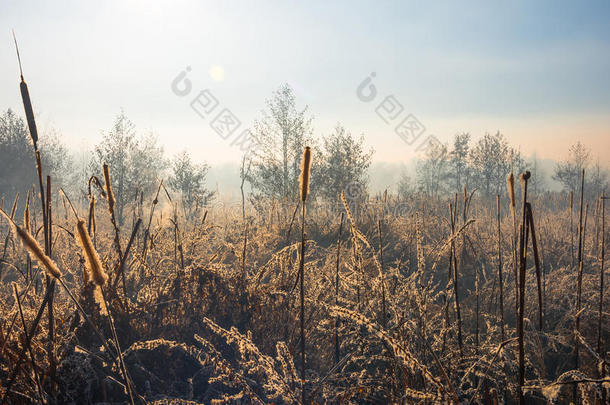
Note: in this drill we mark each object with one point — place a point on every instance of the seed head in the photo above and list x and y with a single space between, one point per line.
510 185
109 193
305 172
36 252
92 259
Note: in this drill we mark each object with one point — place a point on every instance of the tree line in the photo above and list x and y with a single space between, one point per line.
341 162
485 163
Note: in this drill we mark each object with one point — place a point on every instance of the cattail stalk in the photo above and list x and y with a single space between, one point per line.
579 287
27 225
154 203
453 263
500 269
304 188
580 266
572 226
337 267
521 291
111 202
601 274
29 113
383 303
50 284
510 185
243 255
477 307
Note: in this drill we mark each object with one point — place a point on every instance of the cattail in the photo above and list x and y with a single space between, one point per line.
304 180
109 193
92 259
27 103
524 176
36 251
305 171
510 184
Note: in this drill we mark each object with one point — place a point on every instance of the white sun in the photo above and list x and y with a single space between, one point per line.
217 73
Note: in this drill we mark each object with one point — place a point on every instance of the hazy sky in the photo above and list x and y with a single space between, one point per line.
537 71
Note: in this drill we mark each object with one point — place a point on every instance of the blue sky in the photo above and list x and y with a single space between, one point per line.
536 71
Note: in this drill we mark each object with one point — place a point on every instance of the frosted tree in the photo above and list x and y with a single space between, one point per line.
283 132
344 165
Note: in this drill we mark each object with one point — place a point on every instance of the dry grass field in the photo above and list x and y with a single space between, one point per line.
403 301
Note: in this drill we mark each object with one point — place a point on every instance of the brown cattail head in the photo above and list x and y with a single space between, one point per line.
109 193
27 103
524 177
510 184
29 112
92 259
36 251
305 172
